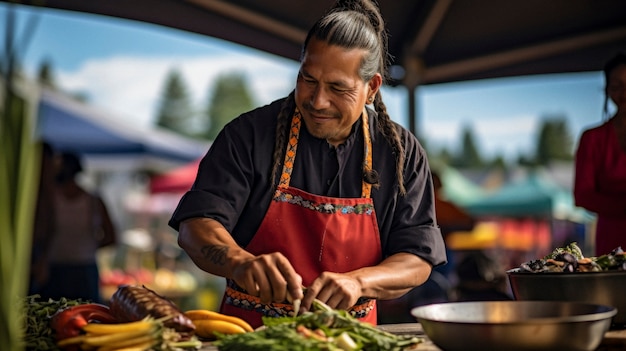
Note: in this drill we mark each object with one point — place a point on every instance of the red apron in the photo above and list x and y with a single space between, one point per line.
316 233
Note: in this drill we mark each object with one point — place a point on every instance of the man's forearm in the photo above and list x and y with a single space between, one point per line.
210 246
393 277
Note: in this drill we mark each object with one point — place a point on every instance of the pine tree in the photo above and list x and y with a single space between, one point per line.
554 141
45 75
498 162
469 155
176 111
231 97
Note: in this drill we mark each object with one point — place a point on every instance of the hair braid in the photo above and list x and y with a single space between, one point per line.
283 122
390 133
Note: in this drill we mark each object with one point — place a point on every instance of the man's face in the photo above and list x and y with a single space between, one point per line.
329 91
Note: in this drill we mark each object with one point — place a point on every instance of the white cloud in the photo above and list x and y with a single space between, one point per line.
448 131
130 87
507 135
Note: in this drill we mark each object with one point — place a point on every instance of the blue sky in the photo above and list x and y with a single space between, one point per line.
121 66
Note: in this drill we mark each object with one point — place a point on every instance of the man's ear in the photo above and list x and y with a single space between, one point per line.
374 84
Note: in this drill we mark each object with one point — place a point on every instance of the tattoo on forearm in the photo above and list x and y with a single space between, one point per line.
216 254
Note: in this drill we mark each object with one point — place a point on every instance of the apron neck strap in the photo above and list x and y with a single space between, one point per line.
292 146
366 188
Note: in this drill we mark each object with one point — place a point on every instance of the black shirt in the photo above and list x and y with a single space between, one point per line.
233 182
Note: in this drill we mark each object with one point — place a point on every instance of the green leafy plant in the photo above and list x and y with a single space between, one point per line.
19 169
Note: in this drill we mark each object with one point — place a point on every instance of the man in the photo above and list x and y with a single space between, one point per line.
82 225
316 190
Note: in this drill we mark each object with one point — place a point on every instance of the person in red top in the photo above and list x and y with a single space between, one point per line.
600 175
319 189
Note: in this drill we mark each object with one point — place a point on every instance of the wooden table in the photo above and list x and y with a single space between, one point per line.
411 329
614 340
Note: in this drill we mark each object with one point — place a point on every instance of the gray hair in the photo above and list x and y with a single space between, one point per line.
354 25
351 24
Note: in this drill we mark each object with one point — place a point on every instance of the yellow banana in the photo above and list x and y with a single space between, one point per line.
197 315
206 328
106 339
142 341
103 329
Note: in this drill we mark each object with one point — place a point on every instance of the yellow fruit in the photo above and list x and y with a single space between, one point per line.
113 338
102 329
140 343
135 347
198 315
206 328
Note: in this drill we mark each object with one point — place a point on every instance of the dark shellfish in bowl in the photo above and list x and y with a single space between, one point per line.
566 275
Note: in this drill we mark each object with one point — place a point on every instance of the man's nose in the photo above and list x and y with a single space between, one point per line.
319 98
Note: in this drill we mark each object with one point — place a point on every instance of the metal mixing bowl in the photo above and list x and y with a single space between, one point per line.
515 325
602 288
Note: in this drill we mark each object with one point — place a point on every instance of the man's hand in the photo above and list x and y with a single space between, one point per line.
213 249
270 276
337 290
390 279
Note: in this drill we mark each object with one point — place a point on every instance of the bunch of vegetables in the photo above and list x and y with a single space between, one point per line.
146 334
138 319
321 329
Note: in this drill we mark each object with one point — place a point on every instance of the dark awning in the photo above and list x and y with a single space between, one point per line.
434 41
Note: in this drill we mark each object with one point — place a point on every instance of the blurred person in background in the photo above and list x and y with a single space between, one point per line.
319 189
600 173
82 226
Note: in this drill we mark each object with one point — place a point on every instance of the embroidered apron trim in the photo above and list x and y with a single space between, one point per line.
292 147
236 297
367 208
366 188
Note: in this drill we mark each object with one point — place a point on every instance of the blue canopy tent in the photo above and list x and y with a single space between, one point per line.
70 125
530 214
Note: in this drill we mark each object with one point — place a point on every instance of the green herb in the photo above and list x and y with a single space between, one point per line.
38 335
319 330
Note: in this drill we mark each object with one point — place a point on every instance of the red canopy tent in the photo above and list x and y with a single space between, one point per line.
178 180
